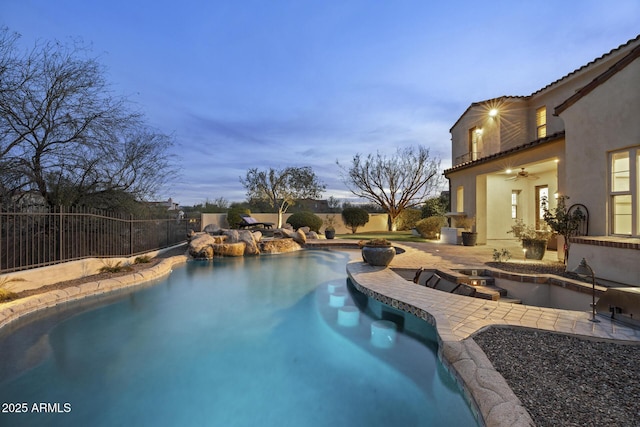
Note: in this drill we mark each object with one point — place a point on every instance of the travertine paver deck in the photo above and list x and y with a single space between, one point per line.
457 318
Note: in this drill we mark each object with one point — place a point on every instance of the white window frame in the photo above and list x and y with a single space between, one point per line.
633 191
541 122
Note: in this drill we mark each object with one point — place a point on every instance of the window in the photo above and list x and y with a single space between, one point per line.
460 199
623 188
515 197
541 122
475 133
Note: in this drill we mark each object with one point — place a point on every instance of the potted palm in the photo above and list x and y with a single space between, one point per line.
378 252
534 242
469 238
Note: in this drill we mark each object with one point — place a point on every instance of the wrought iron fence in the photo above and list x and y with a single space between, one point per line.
35 237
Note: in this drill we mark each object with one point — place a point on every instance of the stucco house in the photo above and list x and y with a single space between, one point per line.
578 137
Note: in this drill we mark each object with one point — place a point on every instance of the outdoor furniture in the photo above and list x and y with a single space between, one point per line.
248 222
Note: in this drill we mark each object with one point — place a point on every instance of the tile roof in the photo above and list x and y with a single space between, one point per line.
538 142
628 59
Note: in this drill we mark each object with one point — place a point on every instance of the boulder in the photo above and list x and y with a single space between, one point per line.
229 249
299 237
257 236
212 229
284 233
275 246
305 230
251 246
232 236
312 235
200 246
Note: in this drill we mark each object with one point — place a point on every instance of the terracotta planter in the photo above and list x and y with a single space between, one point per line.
535 248
378 255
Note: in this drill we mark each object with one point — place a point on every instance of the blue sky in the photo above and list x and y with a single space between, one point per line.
305 83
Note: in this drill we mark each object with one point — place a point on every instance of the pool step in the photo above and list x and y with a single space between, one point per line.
490 292
495 293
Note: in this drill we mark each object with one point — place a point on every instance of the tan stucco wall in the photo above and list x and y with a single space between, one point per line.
606 119
377 221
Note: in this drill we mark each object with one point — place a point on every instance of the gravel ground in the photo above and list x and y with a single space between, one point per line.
567 381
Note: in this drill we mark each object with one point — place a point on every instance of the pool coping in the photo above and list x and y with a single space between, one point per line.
12 311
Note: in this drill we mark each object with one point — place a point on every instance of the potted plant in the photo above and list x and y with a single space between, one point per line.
330 226
534 242
378 252
562 222
469 238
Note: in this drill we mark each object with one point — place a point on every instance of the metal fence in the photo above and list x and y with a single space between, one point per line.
35 237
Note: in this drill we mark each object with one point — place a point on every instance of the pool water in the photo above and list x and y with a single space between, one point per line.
233 342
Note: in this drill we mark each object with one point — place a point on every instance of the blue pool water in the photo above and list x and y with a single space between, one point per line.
234 342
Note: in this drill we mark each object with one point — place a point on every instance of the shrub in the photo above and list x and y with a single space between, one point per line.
110 267
408 219
430 227
375 243
435 206
354 217
234 216
142 259
305 219
5 293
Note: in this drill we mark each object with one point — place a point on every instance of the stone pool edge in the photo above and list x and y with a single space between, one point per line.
13 310
485 389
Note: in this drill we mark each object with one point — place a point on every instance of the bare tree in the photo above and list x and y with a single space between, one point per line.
65 136
394 183
281 188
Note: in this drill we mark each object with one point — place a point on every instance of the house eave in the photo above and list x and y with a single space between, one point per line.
528 146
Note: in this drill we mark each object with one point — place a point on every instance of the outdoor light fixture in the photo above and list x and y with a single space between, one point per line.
493 113
585 270
508 171
478 131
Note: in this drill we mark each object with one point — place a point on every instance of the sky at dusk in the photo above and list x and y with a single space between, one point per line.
244 84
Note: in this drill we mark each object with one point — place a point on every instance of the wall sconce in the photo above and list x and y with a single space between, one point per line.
493 113
584 269
478 132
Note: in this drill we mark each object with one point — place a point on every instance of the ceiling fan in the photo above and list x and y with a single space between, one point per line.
522 174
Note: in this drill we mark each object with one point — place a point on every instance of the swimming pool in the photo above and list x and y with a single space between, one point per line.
233 342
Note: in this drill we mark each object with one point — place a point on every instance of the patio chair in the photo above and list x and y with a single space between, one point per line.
247 221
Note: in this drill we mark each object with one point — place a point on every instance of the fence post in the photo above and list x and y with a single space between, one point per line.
61 235
131 234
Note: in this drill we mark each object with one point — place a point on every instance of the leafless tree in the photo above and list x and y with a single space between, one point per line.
64 135
281 188
394 183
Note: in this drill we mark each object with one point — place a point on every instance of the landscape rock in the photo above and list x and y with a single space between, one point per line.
212 229
300 237
232 235
200 246
251 246
229 249
275 246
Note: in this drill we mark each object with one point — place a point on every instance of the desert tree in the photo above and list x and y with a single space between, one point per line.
65 136
280 188
396 182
